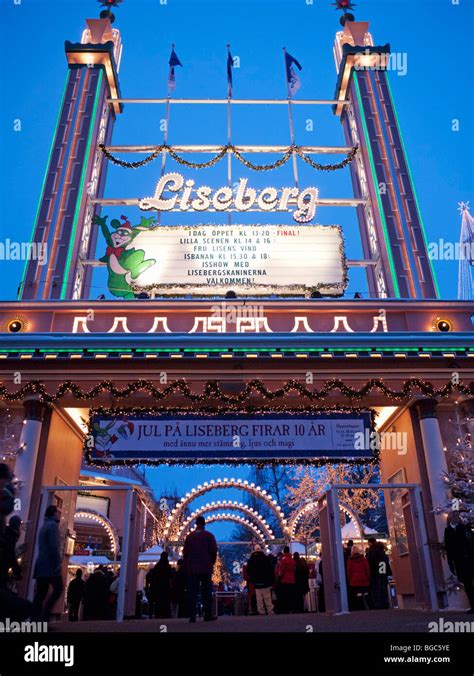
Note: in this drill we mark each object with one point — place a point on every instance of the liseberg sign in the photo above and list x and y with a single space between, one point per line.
209 260
241 436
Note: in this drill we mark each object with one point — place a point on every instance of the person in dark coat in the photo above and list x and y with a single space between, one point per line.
161 586
9 560
180 590
301 582
149 594
47 570
348 550
200 554
261 574
96 596
75 595
459 545
379 572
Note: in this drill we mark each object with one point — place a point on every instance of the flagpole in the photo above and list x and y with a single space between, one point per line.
292 129
165 132
229 155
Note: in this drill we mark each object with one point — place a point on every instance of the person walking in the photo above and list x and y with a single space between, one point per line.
200 554
75 595
358 578
379 572
260 573
8 559
162 581
47 570
285 572
96 595
459 545
301 582
180 590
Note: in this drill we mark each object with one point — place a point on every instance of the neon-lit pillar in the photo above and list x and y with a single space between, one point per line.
75 172
391 226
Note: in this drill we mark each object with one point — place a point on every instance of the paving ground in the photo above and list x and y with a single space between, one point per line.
362 621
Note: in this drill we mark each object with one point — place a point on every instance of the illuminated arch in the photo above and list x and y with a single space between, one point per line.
233 506
310 506
228 516
207 486
104 522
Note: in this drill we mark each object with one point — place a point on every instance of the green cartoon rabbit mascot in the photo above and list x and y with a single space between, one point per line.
124 264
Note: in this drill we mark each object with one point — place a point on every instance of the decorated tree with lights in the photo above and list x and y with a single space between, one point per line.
310 483
220 574
459 478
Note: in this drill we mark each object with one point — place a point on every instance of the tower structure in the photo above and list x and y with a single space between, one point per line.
75 172
466 258
390 221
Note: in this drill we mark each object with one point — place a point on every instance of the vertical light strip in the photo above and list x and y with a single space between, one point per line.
374 178
417 204
40 201
81 186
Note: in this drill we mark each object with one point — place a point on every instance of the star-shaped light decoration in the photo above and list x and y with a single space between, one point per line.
343 5
463 206
109 3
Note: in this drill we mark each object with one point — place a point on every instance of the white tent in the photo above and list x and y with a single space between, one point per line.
349 531
84 560
150 555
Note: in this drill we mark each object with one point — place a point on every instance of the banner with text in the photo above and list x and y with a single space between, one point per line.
229 437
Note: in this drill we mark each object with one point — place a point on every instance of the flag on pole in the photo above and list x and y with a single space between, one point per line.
174 61
293 81
230 65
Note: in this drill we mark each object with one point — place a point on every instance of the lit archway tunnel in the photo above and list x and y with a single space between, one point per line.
235 518
312 507
238 484
89 524
233 506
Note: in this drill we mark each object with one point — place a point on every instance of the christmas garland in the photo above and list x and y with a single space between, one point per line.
212 390
223 152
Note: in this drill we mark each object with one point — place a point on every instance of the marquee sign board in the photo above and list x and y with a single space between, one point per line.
241 436
208 260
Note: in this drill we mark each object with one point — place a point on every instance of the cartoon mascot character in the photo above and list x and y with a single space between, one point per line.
124 262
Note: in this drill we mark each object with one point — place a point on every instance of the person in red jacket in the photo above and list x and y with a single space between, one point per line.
285 573
358 578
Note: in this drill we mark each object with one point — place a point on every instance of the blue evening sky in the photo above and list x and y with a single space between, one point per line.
437 89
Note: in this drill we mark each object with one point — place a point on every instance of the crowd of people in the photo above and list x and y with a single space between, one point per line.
367 576
276 584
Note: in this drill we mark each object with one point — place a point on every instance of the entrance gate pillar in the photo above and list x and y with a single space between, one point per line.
335 590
